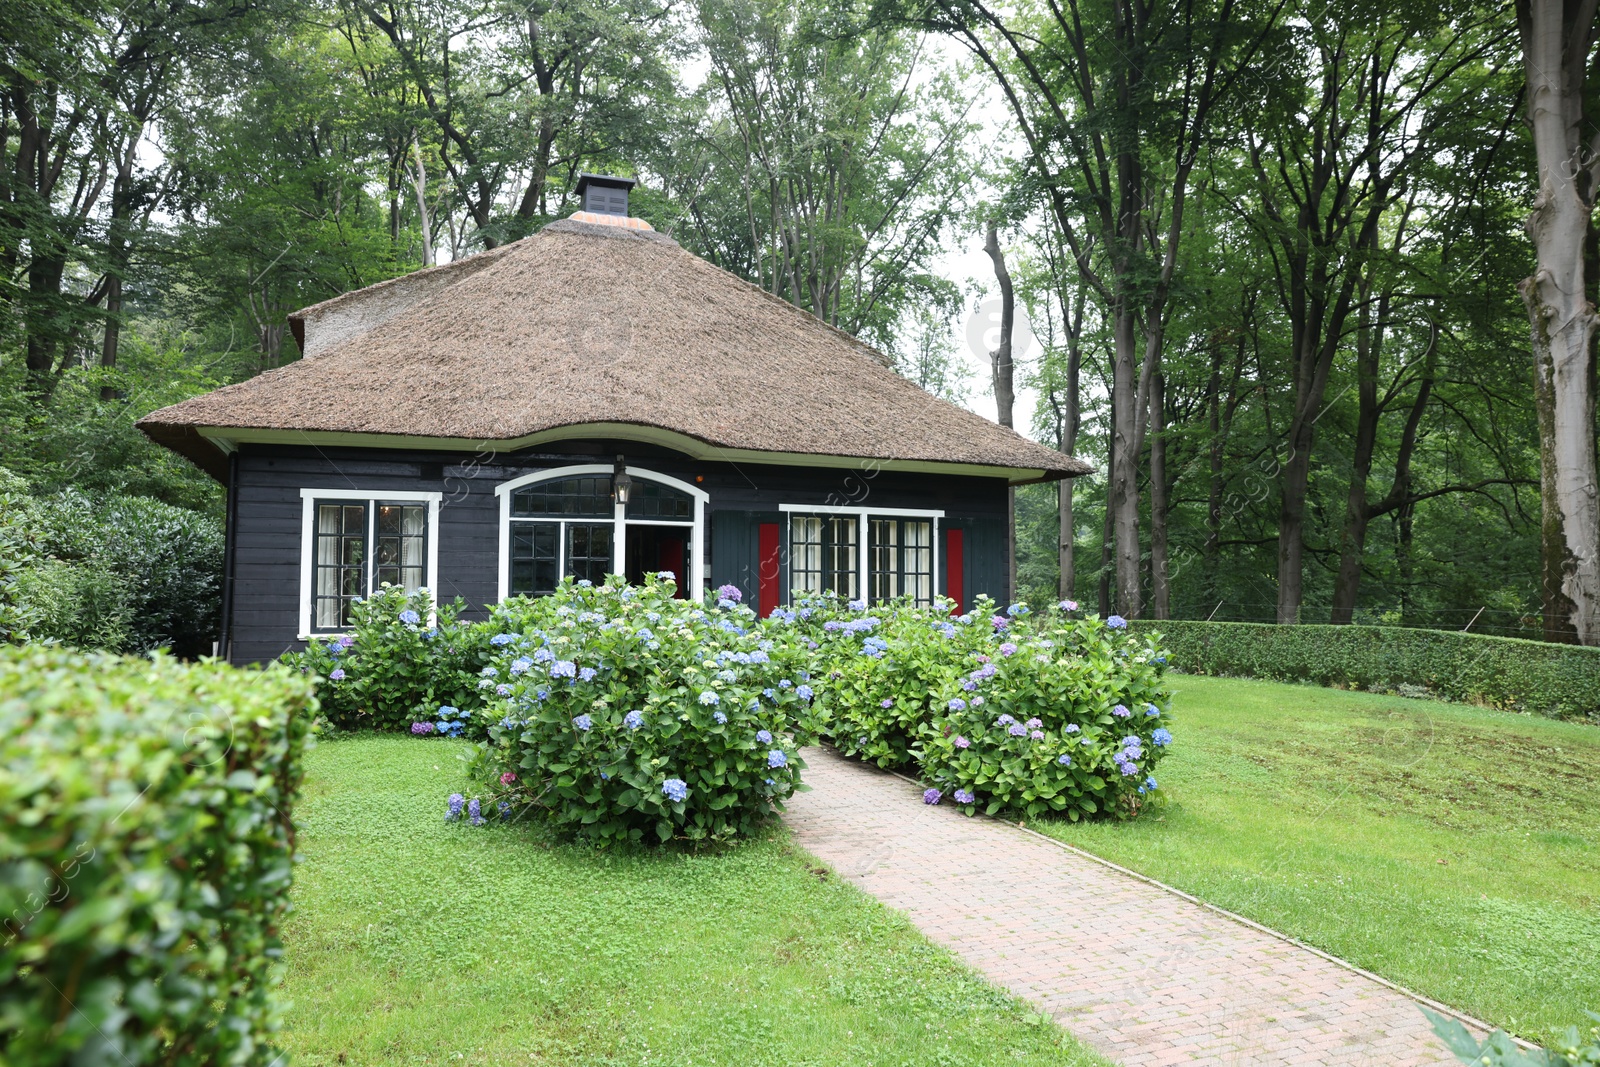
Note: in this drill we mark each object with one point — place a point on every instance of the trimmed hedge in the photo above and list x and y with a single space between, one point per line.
146 847
1560 681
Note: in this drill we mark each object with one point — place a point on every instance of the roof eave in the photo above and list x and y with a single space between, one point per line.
224 439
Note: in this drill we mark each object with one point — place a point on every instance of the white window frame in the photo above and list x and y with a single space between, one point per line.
862 515
370 497
619 518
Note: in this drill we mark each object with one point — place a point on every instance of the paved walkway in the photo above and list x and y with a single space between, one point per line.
1143 975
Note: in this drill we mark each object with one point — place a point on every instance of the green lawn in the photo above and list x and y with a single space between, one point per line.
1451 849
417 942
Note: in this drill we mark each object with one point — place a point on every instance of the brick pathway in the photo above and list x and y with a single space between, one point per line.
1143 975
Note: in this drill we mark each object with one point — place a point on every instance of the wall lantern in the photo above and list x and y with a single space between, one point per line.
621 484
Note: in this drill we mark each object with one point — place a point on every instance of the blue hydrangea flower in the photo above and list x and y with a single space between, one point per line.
958 704
886 702
776 759
1016 729
502 639
1150 784
1152 712
964 796
720 717
759 656
1007 649
583 722
1161 738
1016 610
1121 712
858 605
803 692
1064 759
633 720
456 801
932 796
675 789
784 683
1116 622
336 675
563 668
709 698
969 685
770 693
726 604
505 811
521 665
727 676
1072 727
543 655
474 812
409 617
764 736
1004 720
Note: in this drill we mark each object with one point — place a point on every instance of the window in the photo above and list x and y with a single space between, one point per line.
826 553
563 523
354 544
822 554
900 556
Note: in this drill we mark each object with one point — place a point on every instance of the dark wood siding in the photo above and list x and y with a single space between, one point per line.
267 520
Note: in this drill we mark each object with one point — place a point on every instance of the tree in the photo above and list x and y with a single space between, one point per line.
1559 57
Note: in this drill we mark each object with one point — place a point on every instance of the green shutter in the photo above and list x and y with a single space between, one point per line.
736 551
985 557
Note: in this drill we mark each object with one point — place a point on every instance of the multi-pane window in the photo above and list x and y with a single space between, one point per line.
823 555
652 500
900 559
360 546
563 497
559 528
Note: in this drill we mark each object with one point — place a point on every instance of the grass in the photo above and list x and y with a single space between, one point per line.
414 942
1451 849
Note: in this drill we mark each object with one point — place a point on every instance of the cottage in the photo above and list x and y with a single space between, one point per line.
590 400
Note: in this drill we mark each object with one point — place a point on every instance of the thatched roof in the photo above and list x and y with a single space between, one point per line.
594 330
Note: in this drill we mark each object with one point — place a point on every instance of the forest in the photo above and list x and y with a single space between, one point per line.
1280 256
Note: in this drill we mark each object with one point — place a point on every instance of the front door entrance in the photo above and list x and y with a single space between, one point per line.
654 548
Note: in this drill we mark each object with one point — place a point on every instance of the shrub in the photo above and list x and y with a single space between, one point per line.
624 714
18 551
1501 672
1060 715
403 659
881 672
147 851
120 573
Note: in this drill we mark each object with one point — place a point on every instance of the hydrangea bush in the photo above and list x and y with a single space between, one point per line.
1061 714
402 661
624 714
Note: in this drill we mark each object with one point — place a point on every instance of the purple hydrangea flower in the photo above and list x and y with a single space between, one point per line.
932 796
474 812
1004 720
886 703
1016 729
1121 712
962 742
969 685
1064 759
456 801
964 796
1068 605
422 729
346 641
336 675
729 592
1000 622
958 704
1037 735
1034 723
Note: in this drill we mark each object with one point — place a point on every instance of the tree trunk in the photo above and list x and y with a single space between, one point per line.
1556 43
1353 541
1160 586
1005 396
1107 529
1124 489
420 184
1069 442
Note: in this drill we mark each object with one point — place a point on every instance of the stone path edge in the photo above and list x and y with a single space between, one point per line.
1443 1009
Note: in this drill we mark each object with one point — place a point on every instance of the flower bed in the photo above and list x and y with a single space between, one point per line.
625 714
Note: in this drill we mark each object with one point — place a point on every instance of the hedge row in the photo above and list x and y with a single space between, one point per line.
1560 681
145 853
